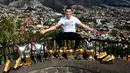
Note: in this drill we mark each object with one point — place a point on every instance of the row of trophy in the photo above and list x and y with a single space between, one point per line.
102 57
70 53
35 52
27 54
80 54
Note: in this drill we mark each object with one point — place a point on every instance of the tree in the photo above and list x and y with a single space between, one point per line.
114 32
8 30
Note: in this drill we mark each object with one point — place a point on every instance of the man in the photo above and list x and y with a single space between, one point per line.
68 22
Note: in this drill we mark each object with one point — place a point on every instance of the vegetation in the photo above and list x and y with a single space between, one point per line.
8 30
114 32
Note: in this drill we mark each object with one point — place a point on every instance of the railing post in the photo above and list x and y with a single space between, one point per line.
103 45
4 56
95 47
9 54
99 47
128 50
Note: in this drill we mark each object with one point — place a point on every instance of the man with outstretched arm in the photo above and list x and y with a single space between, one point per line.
68 23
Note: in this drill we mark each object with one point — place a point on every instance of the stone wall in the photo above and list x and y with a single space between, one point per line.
72 66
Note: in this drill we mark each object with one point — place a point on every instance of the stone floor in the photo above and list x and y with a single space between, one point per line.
73 66
62 70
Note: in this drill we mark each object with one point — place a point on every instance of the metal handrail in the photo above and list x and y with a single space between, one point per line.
99 40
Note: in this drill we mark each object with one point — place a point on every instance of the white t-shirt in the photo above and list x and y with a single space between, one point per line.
69 25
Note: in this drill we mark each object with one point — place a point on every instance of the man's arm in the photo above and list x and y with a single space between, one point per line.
87 27
49 29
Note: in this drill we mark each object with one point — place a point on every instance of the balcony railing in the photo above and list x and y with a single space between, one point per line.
119 49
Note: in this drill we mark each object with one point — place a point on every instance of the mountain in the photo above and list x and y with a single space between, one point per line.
122 3
6 2
66 2
58 5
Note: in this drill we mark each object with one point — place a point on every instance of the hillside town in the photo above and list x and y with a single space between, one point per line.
105 19
21 22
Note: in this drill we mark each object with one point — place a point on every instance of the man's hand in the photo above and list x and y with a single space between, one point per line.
42 31
40 26
49 29
91 29
96 32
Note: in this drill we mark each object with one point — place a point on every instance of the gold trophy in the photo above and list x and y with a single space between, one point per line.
7 66
108 59
60 52
101 55
50 54
28 61
91 54
18 63
70 54
79 53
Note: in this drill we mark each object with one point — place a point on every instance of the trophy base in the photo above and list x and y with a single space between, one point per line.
34 59
60 57
42 58
79 57
70 57
7 66
91 58
7 70
17 67
37 58
107 62
28 61
50 58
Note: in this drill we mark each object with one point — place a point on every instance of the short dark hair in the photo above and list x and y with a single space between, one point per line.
68 7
